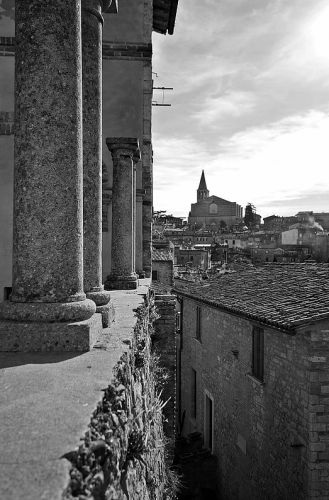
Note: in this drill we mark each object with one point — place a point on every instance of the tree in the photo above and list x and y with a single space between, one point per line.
249 215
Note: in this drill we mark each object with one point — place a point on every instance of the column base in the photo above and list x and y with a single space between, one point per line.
141 274
104 305
47 312
16 336
107 313
148 271
114 282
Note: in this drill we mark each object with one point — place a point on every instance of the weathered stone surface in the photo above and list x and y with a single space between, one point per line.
147 207
122 150
79 336
47 239
123 284
100 298
92 143
40 312
136 159
140 193
107 312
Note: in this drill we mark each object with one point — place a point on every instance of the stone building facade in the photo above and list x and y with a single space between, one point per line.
194 257
163 267
254 379
211 212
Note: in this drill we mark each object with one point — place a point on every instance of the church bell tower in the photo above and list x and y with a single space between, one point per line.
202 191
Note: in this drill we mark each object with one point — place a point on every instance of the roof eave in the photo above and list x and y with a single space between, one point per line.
250 317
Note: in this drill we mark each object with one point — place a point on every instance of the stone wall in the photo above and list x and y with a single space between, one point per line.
317 410
270 438
123 454
165 272
164 341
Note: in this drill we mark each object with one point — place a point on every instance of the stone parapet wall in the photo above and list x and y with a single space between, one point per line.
123 454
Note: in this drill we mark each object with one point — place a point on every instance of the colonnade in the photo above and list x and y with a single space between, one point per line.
57 234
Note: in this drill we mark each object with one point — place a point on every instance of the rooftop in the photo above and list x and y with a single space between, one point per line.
164 16
159 254
283 296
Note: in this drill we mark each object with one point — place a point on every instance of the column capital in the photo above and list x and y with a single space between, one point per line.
123 143
93 8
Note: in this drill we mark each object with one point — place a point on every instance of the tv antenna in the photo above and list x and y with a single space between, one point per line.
155 103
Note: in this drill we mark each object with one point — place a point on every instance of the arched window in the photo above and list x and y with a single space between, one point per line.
213 208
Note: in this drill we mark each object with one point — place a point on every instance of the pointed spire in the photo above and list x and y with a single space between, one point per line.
202 192
202 185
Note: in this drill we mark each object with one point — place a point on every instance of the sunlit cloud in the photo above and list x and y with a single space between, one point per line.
216 109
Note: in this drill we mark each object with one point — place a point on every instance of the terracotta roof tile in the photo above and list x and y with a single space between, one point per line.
281 295
158 254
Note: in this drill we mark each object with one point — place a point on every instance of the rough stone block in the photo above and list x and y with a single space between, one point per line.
71 337
121 285
107 312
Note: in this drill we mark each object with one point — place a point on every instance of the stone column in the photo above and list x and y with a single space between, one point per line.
92 23
136 159
123 276
47 296
140 193
147 207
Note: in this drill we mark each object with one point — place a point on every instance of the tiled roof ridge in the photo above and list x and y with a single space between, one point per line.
292 296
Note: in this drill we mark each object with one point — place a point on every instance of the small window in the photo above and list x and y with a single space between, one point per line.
233 242
198 323
193 393
7 292
154 275
191 258
178 322
258 353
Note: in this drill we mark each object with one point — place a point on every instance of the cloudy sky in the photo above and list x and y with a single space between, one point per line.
250 105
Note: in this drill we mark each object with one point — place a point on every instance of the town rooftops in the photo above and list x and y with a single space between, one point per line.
283 296
160 254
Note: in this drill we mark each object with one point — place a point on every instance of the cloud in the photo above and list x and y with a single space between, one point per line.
284 160
230 104
249 106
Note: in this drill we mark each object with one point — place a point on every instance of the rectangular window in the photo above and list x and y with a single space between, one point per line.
178 322
193 393
258 353
208 421
198 323
7 292
154 275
